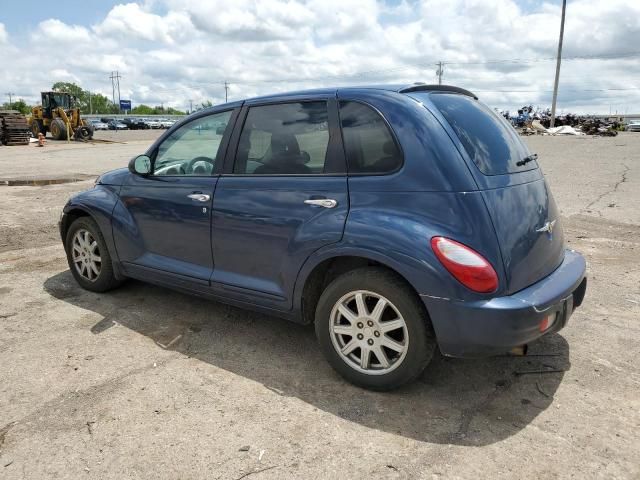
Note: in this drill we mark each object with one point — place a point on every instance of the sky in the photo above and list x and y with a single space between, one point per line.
172 52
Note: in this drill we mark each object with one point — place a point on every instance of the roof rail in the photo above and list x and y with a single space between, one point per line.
422 87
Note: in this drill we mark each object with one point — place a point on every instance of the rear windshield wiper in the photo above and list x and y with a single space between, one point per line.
525 160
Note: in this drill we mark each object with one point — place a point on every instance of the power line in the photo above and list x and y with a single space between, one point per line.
564 90
365 73
615 56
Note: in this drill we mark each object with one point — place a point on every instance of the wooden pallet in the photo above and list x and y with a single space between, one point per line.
14 129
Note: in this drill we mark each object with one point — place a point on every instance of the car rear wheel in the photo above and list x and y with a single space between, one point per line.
373 330
88 257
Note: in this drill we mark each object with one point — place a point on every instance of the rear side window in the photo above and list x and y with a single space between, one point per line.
369 145
284 139
493 144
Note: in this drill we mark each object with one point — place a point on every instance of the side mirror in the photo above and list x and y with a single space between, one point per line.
140 165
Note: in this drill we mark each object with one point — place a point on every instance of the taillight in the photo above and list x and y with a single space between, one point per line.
466 265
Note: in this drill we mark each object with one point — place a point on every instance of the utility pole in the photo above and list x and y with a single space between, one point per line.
226 91
113 90
11 94
439 72
559 59
190 106
115 84
90 105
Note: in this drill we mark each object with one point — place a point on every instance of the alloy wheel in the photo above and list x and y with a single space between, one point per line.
368 332
86 255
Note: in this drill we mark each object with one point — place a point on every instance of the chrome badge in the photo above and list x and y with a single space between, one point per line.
547 227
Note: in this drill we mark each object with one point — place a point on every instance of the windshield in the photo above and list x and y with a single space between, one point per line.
61 100
491 142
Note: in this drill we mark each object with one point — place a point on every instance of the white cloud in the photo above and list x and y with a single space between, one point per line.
174 50
55 32
132 21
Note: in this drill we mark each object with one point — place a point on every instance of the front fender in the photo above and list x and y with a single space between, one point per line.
98 203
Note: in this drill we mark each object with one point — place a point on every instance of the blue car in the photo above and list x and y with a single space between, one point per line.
396 219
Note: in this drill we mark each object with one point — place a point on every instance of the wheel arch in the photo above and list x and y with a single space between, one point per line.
98 204
322 269
70 216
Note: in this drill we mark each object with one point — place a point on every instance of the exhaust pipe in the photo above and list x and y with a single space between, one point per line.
519 351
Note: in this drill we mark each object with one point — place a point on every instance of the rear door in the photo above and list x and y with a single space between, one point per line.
283 196
166 225
524 213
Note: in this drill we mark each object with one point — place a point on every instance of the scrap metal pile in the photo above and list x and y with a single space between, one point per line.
530 122
14 129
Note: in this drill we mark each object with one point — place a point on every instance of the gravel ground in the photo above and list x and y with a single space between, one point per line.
148 383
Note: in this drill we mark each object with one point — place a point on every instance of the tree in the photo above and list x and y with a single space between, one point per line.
173 111
20 105
81 97
143 109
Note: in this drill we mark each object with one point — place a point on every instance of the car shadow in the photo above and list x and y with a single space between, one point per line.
463 402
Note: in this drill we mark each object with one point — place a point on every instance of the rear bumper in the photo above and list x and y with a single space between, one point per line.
488 327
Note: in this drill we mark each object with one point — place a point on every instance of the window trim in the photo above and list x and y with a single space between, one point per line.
335 157
394 137
222 149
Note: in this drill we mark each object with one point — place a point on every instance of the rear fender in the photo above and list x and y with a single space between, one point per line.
395 229
404 267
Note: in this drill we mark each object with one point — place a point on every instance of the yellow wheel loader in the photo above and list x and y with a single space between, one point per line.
58 115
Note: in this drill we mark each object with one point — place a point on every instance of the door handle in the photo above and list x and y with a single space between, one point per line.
200 197
322 202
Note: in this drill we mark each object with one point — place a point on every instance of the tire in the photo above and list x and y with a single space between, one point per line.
58 129
415 336
37 128
85 132
104 279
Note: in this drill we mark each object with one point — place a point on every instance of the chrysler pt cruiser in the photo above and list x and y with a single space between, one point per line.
396 219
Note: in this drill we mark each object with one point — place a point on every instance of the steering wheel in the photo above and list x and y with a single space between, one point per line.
199 159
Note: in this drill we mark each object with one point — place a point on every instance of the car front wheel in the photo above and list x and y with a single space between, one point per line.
373 330
88 257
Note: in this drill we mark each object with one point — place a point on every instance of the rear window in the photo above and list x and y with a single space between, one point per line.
489 140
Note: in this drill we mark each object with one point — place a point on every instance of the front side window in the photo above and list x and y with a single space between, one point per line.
368 142
284 139
193 148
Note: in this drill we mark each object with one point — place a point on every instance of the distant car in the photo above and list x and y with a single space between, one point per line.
117 125
397 219
135 123
165 123
99 125
634 126
151 123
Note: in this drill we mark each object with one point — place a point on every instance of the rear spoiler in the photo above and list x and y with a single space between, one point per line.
423 87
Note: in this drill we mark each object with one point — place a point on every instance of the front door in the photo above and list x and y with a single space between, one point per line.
285 198
166 225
